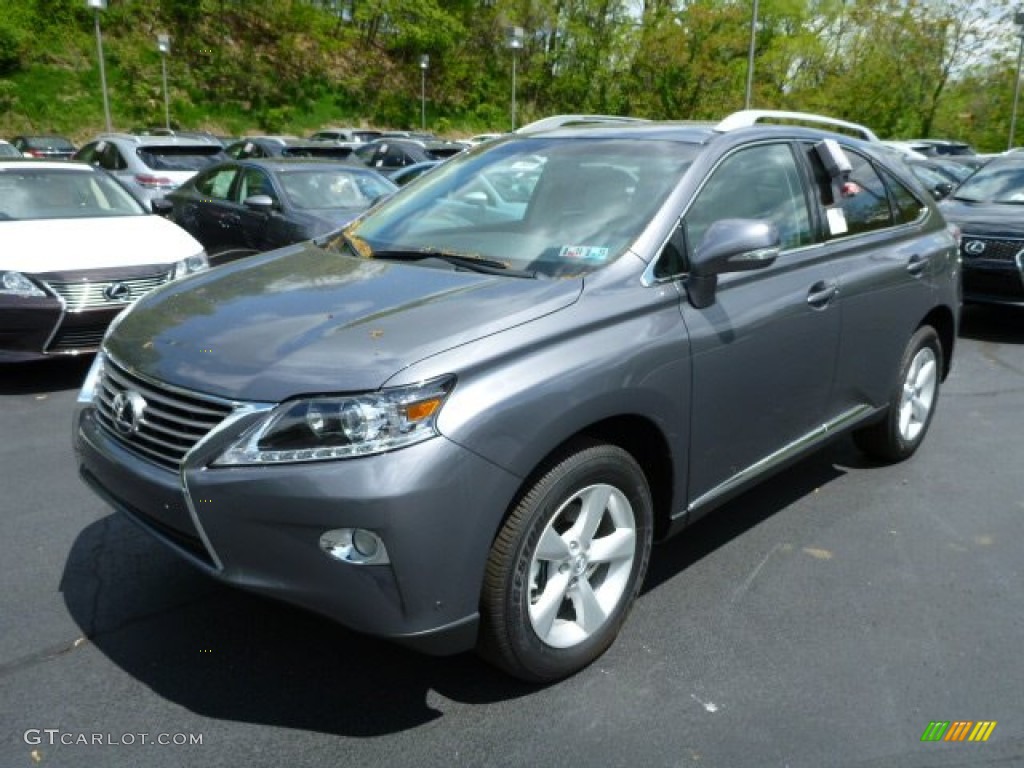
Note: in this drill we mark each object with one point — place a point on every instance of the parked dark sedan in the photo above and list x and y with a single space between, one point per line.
988 209
44 147
254 147
238 208
389 154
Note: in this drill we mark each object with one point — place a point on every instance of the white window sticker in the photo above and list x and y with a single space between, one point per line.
837 221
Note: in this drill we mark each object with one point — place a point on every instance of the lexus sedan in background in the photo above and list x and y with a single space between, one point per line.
989 209
389 154
463 421
77 249
256 147
44 147
239 208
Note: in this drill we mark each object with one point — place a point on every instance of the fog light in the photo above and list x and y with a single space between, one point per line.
355 545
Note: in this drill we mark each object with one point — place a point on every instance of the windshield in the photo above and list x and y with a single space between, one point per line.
183 158
995 183
556 207
323 189
53 194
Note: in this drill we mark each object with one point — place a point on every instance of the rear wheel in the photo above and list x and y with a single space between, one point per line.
912 405
567 565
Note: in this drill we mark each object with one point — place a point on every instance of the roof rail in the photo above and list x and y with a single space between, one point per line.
556 121
748 117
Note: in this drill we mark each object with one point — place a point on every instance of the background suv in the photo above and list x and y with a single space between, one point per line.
150 166
463 421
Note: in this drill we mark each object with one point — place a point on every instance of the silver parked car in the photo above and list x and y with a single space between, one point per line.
463 421
151 166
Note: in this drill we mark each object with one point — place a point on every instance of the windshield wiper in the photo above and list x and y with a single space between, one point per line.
457 260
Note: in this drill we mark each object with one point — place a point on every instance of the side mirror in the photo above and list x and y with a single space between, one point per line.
730 245
162 206
263 203
943 190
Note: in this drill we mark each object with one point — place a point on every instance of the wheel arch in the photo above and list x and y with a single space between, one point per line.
635 434
942 320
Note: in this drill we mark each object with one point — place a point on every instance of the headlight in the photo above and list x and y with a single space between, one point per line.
16 284
343 427
92 380
196 263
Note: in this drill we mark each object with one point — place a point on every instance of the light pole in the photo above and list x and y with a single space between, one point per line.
97 6
424 66
163 44
1018 19
750 56
515 43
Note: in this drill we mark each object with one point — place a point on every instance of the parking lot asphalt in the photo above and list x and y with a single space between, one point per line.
823 619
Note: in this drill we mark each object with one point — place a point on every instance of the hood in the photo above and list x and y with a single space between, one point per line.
69 245
303 320
991 219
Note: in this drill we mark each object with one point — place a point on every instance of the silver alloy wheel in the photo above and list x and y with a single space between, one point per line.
581 566
918 394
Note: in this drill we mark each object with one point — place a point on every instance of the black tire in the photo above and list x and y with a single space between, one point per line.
587 579
898 435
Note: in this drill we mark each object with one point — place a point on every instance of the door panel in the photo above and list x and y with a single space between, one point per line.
764 353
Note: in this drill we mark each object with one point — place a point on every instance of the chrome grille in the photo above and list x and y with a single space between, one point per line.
86 294
171 422
995 249
78 339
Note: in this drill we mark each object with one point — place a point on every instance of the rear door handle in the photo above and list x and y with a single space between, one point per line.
822 292
917 264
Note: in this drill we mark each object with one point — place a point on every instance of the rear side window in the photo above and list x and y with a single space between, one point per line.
856 204
179 158
216 184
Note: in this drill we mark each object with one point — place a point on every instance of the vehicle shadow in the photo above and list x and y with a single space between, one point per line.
43 376
732 520
1001 325
231 655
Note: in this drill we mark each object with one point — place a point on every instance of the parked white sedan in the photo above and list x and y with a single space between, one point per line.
75 249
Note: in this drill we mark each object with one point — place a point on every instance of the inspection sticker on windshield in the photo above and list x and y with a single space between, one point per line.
589 253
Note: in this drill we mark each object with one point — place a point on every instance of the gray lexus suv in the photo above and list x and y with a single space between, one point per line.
462 421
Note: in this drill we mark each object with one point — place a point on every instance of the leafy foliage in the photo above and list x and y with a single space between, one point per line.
904 67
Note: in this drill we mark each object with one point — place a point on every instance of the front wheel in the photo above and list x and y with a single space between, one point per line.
912 405
567 564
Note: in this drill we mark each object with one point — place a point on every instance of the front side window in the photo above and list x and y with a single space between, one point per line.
254 182
760 182
556 207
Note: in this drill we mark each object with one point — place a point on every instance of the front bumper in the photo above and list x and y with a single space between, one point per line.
988 281
435 505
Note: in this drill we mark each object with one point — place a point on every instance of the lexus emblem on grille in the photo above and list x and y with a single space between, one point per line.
974 247
127 409
117 292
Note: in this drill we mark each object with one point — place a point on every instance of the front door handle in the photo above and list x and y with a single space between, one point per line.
821 293
917 264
